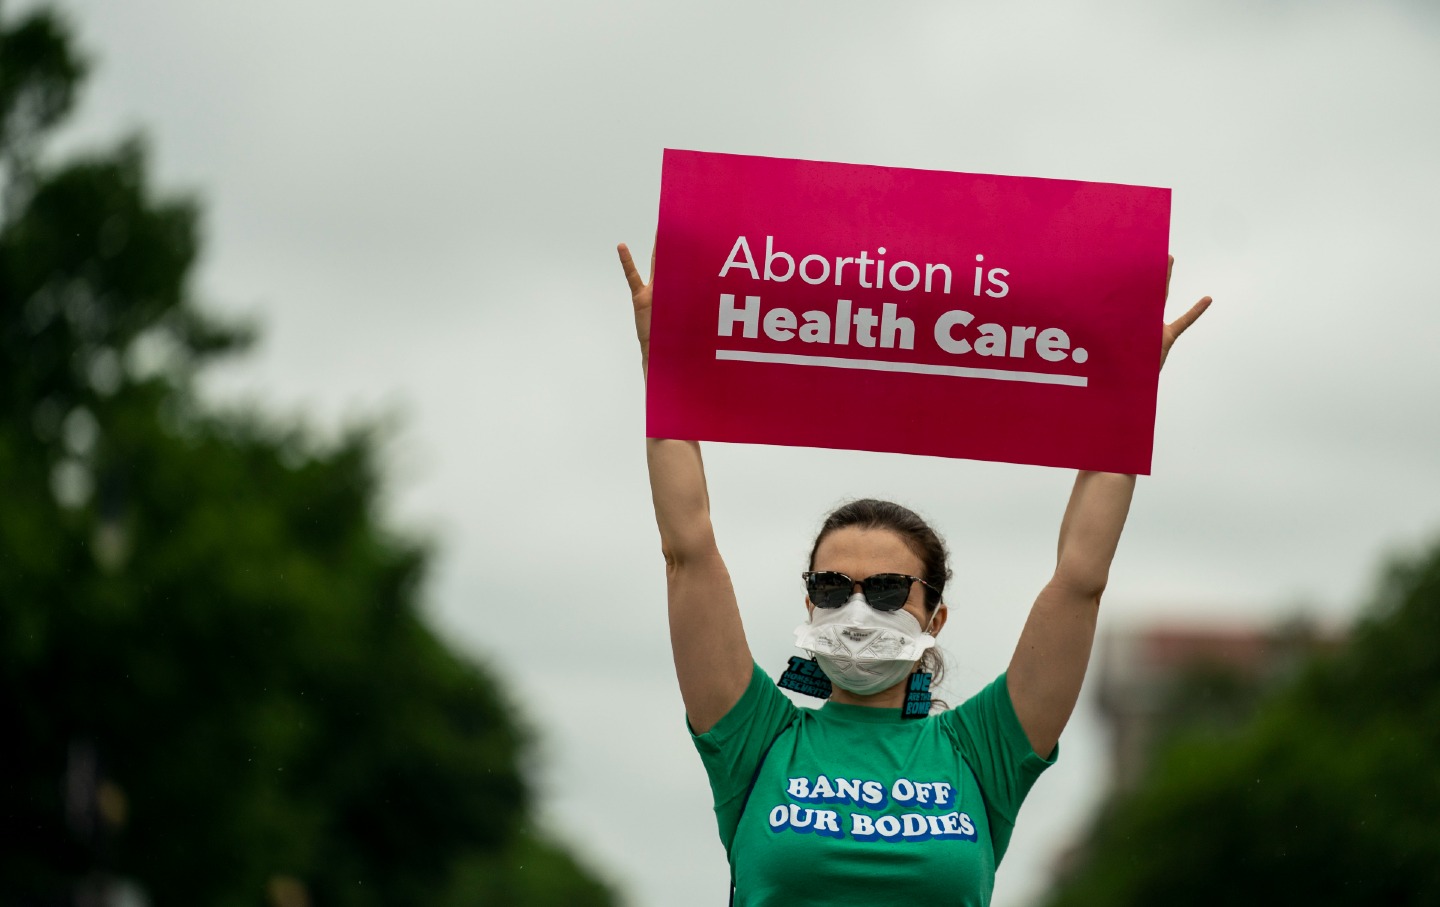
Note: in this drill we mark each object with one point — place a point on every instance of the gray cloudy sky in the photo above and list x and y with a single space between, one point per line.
421 202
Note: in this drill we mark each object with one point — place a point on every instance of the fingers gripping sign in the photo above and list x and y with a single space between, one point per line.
1174 329
640 297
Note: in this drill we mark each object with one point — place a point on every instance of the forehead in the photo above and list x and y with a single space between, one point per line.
858 552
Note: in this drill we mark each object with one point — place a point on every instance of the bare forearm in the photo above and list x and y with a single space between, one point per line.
682 501
1090 530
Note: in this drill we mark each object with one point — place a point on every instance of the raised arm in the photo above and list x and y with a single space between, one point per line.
1049 663
712 659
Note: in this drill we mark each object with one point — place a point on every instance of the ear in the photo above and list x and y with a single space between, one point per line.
937 620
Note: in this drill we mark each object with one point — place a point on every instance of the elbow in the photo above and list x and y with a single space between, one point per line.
673 558
683 550
1077 584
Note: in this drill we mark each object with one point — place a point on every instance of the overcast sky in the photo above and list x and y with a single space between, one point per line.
421 201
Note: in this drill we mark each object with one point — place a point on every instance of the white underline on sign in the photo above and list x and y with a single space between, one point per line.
914 368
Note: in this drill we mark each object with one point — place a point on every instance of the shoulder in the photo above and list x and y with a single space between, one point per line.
762 710
986 728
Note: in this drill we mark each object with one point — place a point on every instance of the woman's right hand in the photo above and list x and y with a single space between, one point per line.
640 298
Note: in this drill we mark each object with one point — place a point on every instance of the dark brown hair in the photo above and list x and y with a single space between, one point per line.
923 542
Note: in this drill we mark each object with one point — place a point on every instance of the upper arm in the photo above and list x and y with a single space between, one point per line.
1050 660
712 658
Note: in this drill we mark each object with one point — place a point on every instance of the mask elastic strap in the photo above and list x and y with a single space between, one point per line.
933 614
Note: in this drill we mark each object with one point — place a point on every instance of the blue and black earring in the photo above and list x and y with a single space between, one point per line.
917 696
805 677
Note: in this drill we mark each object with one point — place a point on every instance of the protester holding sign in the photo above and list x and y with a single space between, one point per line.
871 798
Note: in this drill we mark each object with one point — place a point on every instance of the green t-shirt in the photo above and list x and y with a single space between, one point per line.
858 805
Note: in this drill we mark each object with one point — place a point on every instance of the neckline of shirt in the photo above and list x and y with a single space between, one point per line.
865 714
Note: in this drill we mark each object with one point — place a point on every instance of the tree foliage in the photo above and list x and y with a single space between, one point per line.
214 676
1329 795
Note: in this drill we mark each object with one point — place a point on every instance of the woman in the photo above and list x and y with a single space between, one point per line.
853 802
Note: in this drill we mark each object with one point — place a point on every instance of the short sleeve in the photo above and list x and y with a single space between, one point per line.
988 734
733 748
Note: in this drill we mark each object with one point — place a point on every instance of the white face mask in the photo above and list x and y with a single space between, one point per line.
863 650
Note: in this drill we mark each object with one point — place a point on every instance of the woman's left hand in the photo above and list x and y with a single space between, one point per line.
1174 329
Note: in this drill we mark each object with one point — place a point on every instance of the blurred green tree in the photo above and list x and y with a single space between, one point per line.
1327 795
214 678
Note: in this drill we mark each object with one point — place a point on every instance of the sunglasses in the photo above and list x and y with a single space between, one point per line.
882 591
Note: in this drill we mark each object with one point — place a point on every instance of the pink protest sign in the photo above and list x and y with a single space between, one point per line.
915 311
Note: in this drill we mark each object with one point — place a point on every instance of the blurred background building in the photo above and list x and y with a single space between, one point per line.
1155 680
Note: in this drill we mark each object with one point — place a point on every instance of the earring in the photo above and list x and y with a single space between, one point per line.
805 677
917 696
